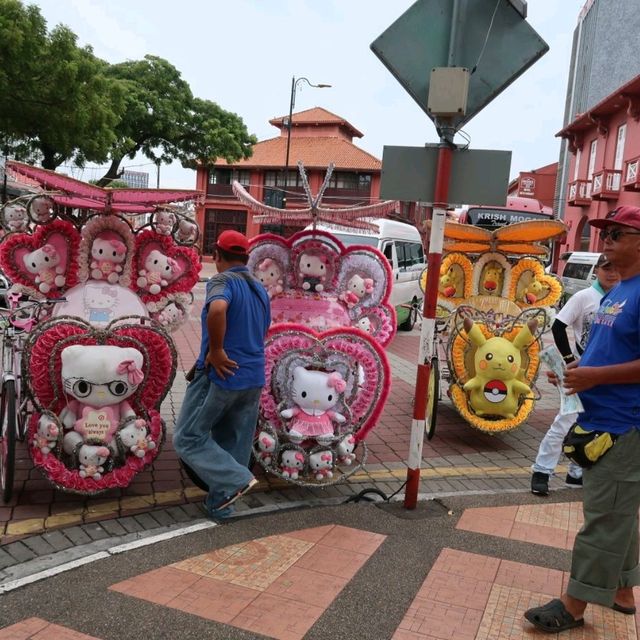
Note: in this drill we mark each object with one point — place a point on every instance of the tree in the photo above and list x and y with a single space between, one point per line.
164 121
57 103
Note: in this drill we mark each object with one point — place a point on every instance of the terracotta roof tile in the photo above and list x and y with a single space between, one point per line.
316 115
314 153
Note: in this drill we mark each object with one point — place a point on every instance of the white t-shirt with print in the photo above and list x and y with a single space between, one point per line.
578 314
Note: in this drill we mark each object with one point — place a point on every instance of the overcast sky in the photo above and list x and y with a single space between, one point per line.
242 54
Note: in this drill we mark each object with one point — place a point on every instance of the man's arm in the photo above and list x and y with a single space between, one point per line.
578 379
217 327
559 331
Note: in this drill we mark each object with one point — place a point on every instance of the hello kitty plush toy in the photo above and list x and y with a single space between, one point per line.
357 288
134 438
164 222
266 444
312 270
159 271
171 314
187 232
291 464
345 450
321 463
46 434
107 258
15 218
314 393
364 324
97 381
91 459
270 274
45 264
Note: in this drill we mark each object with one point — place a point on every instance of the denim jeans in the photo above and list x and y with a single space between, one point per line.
214 434
550 448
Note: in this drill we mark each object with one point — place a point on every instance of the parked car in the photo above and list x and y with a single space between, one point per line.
578 272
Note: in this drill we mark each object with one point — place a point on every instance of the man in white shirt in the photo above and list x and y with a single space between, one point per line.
577 314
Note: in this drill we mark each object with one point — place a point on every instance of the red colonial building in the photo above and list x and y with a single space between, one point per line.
539 184
604 167
317 138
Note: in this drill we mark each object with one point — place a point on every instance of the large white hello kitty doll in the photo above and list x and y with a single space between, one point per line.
357 288
107 257
15 217
158 272
314 393
164 222
45 264
312 271
97 381
268 271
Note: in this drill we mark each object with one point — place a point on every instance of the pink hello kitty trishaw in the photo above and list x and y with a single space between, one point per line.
98 367
327 375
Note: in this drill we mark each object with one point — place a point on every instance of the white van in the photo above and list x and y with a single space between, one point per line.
402 245
578 272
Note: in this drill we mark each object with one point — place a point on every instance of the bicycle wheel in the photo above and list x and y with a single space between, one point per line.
432 402
7 439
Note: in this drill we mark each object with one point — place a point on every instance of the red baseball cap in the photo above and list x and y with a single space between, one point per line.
233 242
626 215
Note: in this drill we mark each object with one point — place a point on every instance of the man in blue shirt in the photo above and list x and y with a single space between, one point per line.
604 567
215 430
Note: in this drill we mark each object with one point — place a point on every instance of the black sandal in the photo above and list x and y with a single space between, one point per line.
628 611
552 617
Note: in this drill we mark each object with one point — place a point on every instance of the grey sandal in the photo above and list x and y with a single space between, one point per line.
552 617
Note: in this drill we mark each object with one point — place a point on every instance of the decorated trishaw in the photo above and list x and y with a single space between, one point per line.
96 365
495 300
327 374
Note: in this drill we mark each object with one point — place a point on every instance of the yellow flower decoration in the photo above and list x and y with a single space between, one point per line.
530 286
456 277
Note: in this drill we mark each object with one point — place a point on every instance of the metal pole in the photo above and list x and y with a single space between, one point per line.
4 176
292 102
158 174
427 333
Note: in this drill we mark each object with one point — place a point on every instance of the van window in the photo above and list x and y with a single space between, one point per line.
388 252
349 239
576 271
410 254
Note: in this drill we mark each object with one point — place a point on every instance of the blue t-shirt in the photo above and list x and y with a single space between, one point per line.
614 339
248 318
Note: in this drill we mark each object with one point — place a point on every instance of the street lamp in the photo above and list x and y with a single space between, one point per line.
292 102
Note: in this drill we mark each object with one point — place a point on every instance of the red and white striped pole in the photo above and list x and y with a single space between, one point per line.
427 333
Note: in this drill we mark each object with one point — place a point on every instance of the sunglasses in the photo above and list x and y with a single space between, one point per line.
616 234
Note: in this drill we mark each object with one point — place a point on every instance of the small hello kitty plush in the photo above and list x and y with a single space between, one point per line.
314 393
345 450
357 288
269 273
135 438
365 325
164 222
15 217
291 464
187 232
312 271
159 271
45 264
92 459
107 257
321 464
266 445
46 434
171 315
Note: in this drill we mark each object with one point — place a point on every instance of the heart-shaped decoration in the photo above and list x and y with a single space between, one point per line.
42 360
358 359
45 263
530 286
162 267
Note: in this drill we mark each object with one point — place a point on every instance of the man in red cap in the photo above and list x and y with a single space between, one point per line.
215 430
604 567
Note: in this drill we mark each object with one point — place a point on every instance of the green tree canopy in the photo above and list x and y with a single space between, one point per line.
57 102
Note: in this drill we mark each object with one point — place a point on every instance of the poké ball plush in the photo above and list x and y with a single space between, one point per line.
345 450
291 463
46 435
187 232
159 271
107 257
532 292
266 444
15 217
321 464
44 263
312 271
268 271
164 222
92 459
97 381
135 438
314 393
495 389
357 288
